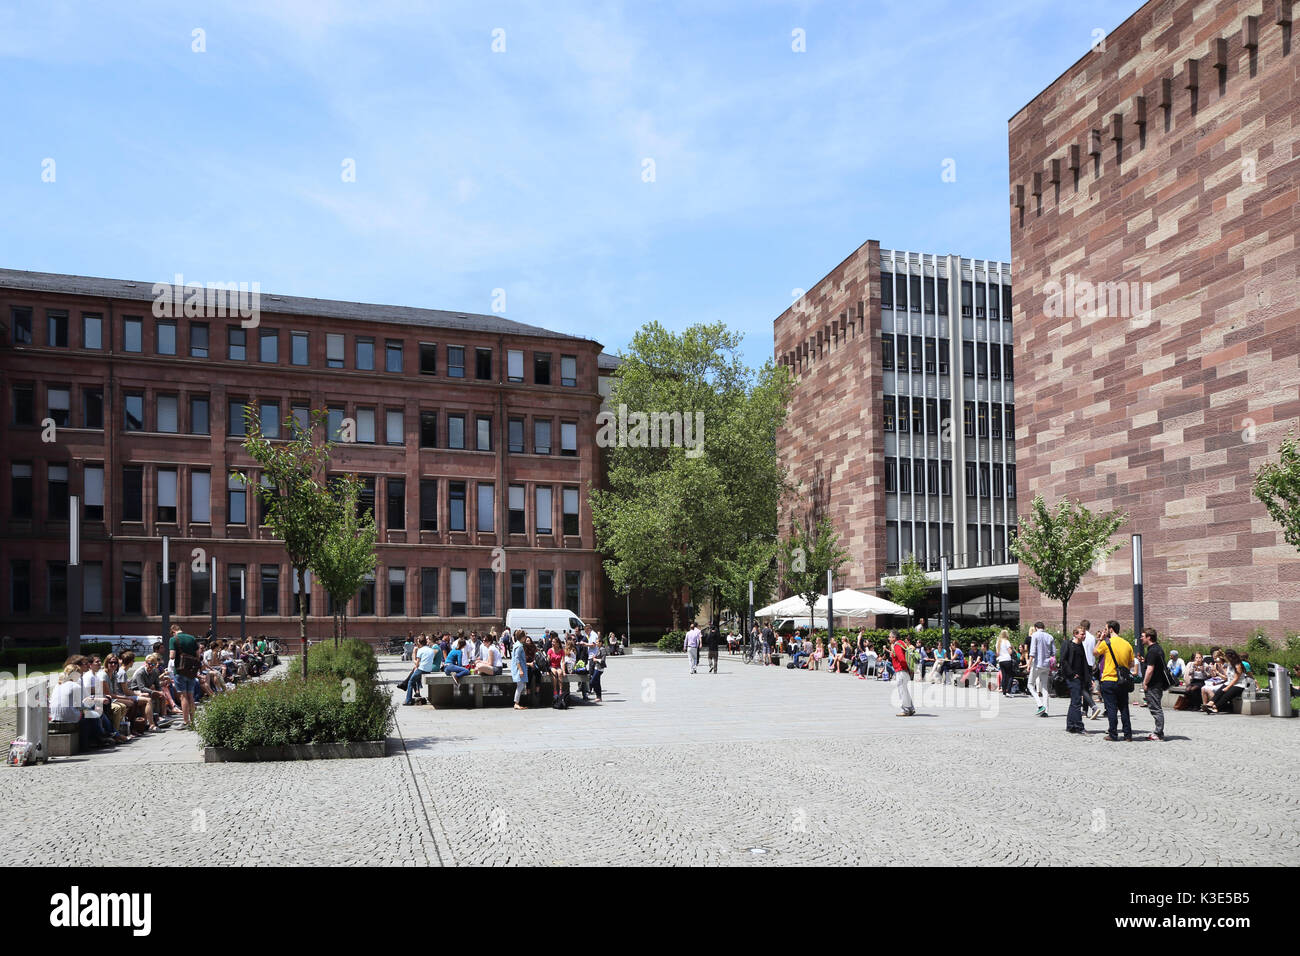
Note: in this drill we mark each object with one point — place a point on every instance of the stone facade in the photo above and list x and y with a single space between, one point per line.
41 358
1158 175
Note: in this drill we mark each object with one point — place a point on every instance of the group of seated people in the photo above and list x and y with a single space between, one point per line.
530 663
1212 682
866 659
114 699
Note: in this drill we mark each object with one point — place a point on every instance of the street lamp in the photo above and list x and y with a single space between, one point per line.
74 575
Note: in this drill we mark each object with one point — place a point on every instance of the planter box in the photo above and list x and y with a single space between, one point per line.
336 751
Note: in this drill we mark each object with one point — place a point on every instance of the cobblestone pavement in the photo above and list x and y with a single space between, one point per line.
751 766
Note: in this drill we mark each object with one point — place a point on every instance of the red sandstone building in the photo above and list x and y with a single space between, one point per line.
1158 178
472 433
902 421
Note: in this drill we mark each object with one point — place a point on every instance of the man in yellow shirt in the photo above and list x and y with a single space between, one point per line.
1115 657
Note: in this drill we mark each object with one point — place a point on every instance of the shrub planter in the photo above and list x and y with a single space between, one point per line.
330 751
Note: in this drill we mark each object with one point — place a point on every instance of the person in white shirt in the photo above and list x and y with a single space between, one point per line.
692 642
1005 664
1089 651
1041 650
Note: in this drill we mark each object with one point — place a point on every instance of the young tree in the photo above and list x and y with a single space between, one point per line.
806 556
1277 485
672 515
910 587
1060 546
292 492
754 560
347 555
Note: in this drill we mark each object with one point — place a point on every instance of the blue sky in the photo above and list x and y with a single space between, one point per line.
521 170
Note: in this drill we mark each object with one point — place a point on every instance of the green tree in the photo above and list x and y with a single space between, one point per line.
910 587
347 554
755 560
672 516
1277 485
806 555
1060 546
296 504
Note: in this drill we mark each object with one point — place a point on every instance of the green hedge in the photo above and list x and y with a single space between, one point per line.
290 710
46 654
672 641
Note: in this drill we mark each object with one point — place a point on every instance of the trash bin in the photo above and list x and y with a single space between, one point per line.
1279 691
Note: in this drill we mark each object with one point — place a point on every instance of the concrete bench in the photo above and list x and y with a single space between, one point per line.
442 692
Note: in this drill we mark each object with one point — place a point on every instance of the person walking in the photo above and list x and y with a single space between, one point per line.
693 638
769 638
1090 651
898 656
712 642
1040 654
184 663
1075 670
1115 655
1154 681
1005 665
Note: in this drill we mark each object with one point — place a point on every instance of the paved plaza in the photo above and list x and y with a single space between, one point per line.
751 766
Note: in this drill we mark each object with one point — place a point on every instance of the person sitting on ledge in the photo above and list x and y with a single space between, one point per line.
1231 687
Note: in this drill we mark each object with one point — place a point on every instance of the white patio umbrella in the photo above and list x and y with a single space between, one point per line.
790 607
851 604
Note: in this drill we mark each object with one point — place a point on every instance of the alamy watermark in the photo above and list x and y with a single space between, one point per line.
624 429
215 300
1084 299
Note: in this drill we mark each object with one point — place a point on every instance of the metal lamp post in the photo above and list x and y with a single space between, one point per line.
74 575
830 609
943 600
212 595
165 593
1137 586
243 607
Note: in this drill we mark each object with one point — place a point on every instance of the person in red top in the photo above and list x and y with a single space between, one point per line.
555 658
902 673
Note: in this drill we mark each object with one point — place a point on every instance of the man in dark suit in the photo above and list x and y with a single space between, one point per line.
712 640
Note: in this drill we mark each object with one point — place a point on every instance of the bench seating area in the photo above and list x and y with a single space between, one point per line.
441 692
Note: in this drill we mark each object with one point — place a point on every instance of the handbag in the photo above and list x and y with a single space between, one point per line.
1123 676
187 665
404 683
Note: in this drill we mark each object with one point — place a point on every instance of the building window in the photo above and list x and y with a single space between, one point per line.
158 588
92 587
299 348
92 490
459 589
886 290
132 590
1008 364
932 477
983 419
300 601
1011 481
199 415
236 426
268 347
904 413
198 340
200 591
995 422
394 428
900 292
268 415
57 406
133 409
542 518
334 348
573 592
393 355
930 348
569 438
395 488
519 589
943 356
456 492
545 589
165 332
428 358
914 290
92 408
20 586
270 590
1009 420
24 397
92 330
515 436
334 422
56 328
236 344
1006 303
982 362
891 476
918 477
455 431
366 596
569 370
968 419
428 504
965 300
887 352
918 426
168 416
428 429
397 592
366 500
57 491
366 426
542 371
929 296
455 361
914 346
514 365
365 354
236 502
167 495
945 477
984 480
301 415
569 510
970 479
980 300
994 302
486 508
487 593
429 592
132 333
931 417
483 364
200 497
541 436
22 323
483 433
515 503
132 493
997 480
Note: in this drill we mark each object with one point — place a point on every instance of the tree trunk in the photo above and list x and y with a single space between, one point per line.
1065 627
302 617
676 607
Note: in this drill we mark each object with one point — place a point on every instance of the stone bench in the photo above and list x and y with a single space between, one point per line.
442 692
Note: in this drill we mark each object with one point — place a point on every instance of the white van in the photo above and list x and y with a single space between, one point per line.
535 623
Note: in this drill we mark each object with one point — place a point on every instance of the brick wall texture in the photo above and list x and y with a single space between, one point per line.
1186 133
